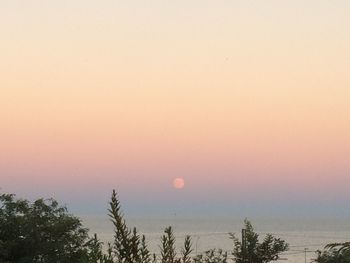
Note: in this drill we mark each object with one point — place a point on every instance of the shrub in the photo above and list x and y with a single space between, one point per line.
41 231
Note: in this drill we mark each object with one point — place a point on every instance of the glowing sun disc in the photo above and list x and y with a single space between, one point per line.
179 183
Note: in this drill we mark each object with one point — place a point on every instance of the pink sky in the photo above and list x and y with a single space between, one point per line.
237 98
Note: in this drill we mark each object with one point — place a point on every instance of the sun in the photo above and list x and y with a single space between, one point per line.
179 183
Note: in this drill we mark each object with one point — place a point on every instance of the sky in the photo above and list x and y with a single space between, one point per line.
247 101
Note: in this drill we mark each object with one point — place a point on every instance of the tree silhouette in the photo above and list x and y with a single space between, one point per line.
334 253
251 251
41 231
127 246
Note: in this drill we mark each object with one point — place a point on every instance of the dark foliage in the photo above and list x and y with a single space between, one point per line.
41 231
187 250
128 246
334 253
167 249
212 256
254 251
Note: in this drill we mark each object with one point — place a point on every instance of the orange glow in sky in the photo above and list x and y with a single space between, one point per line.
131 94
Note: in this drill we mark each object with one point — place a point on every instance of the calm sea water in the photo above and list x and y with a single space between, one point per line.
208 233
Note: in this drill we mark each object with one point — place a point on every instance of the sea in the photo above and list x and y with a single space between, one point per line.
304 235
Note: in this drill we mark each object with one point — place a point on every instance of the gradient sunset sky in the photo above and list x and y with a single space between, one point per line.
248 101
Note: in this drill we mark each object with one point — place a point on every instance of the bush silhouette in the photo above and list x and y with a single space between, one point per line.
255 252
42 231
